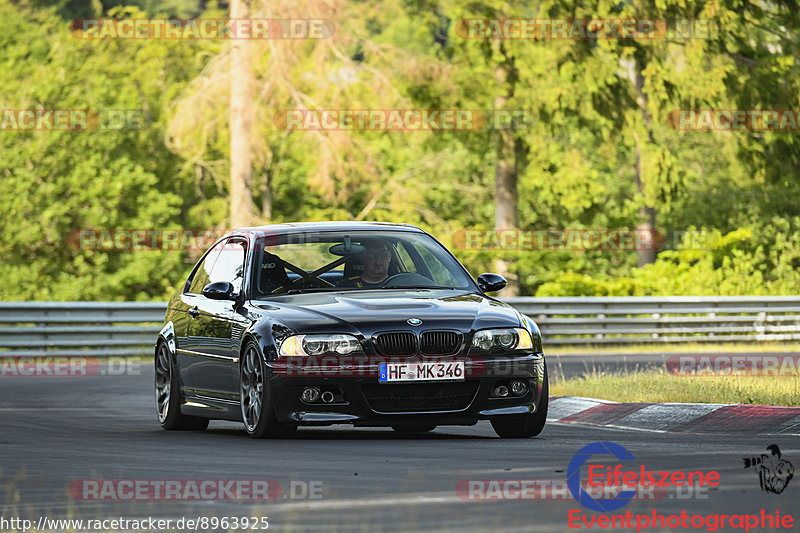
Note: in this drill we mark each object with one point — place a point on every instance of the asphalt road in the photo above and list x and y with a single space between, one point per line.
57 431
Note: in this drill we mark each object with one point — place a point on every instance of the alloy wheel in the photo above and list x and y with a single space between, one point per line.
252 388
163 383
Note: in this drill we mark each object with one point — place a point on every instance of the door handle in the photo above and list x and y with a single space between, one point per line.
194 311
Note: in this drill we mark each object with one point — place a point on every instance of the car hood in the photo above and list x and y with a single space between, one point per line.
366 312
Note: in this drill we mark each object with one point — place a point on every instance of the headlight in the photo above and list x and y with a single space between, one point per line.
503 339
320 345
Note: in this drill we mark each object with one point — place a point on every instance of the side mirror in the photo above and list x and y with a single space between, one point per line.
491 282
219 290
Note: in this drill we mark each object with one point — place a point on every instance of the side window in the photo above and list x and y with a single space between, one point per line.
406 258
229 265
441 275
200 279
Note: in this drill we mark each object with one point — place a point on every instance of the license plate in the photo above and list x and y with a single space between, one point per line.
428 371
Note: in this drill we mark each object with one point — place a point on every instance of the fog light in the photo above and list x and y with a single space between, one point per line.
501 391
310 395
518 388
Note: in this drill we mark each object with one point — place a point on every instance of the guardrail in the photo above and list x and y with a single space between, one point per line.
129 328
98 329
664 319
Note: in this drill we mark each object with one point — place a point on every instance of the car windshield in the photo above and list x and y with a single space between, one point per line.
357 260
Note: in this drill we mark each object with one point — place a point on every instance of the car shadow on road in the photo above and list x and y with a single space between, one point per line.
357 434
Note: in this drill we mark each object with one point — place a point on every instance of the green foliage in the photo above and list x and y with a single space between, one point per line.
57 182
575 158
763 260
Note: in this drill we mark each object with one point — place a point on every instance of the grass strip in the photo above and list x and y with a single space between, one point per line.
678 347
660 386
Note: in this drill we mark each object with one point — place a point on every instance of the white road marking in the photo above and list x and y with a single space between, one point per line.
56 408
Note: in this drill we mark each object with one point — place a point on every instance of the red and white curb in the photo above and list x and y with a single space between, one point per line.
676 417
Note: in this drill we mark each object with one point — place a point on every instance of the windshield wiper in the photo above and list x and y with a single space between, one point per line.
431 287
337 289
315 289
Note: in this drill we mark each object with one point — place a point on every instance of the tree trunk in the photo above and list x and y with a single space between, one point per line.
506 215
266 196
241 199
505 203
647 213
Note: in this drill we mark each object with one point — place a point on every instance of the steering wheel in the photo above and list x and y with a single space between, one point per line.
407 278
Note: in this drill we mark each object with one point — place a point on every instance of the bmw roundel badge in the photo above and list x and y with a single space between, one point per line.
414 322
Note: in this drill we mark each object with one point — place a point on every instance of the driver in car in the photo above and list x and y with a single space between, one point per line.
375 258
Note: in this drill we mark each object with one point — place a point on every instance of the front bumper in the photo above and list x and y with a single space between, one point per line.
362 401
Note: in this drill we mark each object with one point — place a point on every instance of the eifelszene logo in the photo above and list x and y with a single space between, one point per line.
774 473
574 476
618 477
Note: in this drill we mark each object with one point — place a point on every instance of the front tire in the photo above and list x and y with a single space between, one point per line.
168 397
525 426
258 412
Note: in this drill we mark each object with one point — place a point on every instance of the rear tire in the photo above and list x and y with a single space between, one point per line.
168 396
258 412
525 426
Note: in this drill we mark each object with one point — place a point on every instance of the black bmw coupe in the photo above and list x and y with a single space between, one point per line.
322 323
